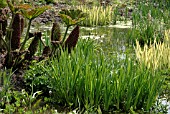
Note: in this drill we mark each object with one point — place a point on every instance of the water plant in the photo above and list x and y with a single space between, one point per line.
11 40
89 81
156 55
3 3
16 51
14 101
146 32
97 15
71 17
149 22
5 82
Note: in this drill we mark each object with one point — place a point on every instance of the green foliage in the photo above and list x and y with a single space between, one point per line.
17 53
155 56
21 102
3 3
86 79
5 82
149 21
31 12
97 15
71 17
10 42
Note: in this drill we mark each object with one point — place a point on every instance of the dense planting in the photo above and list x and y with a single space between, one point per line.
88 80
118 62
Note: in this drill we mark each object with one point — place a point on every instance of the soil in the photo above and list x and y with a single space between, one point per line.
50 15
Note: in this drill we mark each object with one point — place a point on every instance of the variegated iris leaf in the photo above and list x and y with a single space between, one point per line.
72 16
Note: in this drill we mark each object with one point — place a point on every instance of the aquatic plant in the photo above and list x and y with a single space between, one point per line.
31 13
97 15
89 81
11 40
17 53
33 46
156 55
16 33
71 17
149 22
3 25
55 32
146 32
70 43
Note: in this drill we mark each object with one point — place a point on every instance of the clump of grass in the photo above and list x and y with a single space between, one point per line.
89 81
5 82
97 15
155 56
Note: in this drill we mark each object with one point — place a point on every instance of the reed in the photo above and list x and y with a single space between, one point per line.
155 56
97 15
149 22
5 83
86 79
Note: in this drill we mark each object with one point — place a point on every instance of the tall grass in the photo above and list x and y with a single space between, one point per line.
5 80
5 85
86 79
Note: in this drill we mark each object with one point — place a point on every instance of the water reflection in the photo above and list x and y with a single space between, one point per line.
113 41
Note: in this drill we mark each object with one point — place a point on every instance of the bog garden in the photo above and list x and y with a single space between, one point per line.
84 56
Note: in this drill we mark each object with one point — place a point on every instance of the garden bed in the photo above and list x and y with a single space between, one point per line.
82 69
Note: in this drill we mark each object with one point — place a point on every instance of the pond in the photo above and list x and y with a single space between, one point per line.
113 39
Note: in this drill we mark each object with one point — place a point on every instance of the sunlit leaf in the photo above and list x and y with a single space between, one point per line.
67 19
72 16
33 12
3 3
